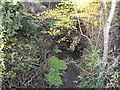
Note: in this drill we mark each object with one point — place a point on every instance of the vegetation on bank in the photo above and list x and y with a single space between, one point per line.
36 49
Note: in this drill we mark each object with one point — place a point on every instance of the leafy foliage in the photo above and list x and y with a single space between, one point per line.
23 50
12 19
62 22
57 50
57 64
53 76
2 42
92 64
29 26
89 11
22 40
93 60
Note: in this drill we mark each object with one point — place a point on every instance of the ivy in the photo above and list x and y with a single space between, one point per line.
12 19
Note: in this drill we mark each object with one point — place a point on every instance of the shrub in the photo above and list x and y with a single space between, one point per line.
62 24
12 19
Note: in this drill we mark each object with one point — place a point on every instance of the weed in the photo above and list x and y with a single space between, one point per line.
54 76
57 50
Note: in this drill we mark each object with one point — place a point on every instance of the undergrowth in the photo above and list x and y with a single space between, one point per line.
24 51
54 74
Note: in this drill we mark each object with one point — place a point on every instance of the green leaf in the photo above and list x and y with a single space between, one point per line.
57 64
57 50
54 78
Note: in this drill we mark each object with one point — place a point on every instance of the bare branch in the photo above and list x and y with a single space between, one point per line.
114 64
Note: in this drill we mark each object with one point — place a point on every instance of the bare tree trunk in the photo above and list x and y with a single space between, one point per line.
106 30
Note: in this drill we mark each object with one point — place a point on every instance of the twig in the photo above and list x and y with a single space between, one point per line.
46 53
31 79
81 33
114 64
110 83
97 40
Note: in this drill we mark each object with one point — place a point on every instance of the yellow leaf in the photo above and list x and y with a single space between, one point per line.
1 46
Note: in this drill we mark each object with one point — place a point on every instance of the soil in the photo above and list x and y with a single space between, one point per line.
69 76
